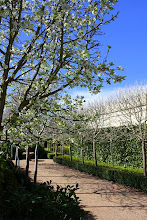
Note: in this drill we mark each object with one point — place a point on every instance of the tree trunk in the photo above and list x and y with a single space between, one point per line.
56 150
18 161
6 135
1 130
12 152
82 155
62 151
36 161
2 102
94 152
16 156
111 150
70 153
144 157
27 160
47 147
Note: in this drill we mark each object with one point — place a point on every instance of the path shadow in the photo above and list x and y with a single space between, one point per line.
39 161
117 194
89 216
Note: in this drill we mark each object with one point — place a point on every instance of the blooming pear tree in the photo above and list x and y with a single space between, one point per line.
47 46
44 120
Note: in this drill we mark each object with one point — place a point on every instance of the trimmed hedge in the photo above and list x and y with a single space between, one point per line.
125 148
52 154
59 150
129 177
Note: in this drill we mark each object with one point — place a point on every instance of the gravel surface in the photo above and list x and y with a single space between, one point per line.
104 199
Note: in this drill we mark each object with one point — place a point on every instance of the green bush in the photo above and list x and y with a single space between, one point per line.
52 154
129 177
41 202
125 149
59 149
21 199
10 177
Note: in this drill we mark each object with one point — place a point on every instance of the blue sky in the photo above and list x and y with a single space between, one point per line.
127 36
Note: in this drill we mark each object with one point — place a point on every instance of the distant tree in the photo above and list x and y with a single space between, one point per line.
47 46
131 107
96 113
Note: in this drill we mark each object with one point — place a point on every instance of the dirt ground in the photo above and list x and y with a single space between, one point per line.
104 199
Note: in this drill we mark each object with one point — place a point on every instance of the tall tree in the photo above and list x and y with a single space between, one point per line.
96 112
131 107
47 46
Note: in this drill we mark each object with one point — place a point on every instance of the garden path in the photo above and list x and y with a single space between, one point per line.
104 199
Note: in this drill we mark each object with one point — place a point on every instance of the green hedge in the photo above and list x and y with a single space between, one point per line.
59 149
52 154
10 177
125 149
129 177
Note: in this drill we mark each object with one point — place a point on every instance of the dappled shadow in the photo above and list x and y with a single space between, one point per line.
115 194
95 194
90 217
39 161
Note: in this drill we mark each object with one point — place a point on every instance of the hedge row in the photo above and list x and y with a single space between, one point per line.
52 154
120 153
128 177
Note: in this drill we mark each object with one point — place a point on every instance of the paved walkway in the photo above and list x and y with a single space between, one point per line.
104 199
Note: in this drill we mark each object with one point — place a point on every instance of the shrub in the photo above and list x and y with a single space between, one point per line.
123 146
10 177
21 199
59 150
41 202
52 154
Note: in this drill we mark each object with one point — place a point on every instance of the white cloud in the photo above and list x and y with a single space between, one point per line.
104 94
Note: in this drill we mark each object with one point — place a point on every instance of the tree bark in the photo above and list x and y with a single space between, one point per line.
2 103
56 150
94 152
82 155
144 157
70 153
48 147
62 151
16 156
27 160
36 161
111 150
12 152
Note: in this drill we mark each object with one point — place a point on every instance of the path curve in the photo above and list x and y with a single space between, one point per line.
104 199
